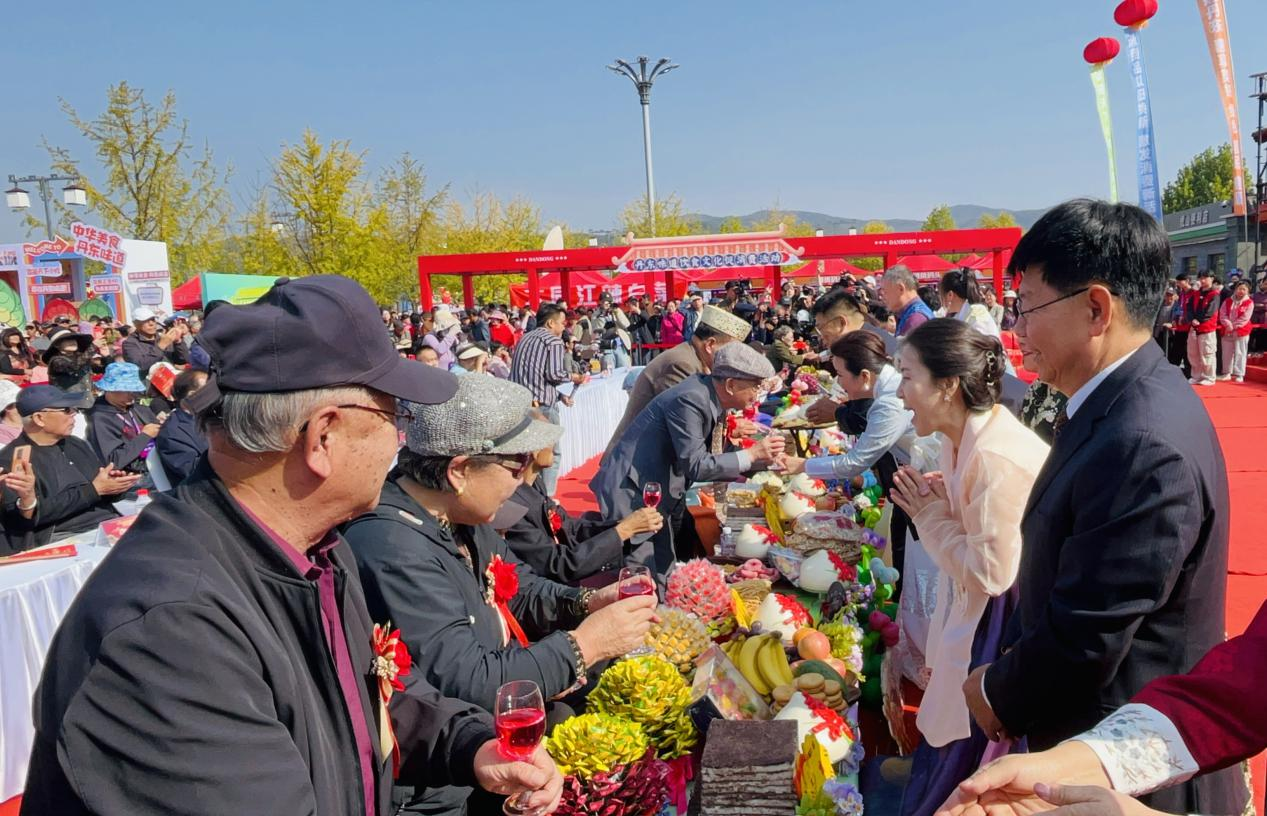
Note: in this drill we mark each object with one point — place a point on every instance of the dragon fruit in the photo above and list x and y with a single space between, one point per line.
700 588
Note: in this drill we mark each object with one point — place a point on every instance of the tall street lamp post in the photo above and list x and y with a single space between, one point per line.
18 199
643 79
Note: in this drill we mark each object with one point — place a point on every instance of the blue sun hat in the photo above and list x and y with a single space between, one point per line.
122 377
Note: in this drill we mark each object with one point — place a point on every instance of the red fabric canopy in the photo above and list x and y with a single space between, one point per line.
926 263
188 295
829 269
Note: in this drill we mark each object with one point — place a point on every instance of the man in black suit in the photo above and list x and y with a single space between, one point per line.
1124 567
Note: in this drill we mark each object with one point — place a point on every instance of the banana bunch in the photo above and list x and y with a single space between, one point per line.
762 661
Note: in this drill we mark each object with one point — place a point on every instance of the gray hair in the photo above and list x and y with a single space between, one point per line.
901 275
783 331
268 422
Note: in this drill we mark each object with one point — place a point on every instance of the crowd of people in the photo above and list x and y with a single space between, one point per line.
1063 554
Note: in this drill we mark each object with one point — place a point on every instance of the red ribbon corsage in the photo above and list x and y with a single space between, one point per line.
391 662
503 584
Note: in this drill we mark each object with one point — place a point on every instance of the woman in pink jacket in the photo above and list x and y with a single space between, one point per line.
969 521
671 324
1234 329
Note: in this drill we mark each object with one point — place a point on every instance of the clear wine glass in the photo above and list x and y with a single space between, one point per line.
519 715
651 494
634 582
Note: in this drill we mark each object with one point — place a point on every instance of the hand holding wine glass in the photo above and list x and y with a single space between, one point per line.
651 494
634 582
617 629
535 782
519 715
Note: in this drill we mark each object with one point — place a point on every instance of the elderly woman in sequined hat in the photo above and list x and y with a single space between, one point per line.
431 561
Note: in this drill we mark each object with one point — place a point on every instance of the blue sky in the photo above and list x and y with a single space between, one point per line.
861 109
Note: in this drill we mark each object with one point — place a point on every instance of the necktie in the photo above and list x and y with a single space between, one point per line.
719 436
1058 425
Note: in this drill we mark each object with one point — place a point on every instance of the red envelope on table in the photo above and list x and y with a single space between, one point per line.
41 554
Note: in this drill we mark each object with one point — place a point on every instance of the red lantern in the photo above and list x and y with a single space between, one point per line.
1134 13
1101 50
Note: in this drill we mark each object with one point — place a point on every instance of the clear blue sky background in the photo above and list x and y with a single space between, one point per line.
859 109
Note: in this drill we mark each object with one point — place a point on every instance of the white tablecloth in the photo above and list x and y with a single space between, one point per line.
33 599
588 424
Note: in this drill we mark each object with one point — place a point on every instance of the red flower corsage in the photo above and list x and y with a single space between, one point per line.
556 521
391 662
502 579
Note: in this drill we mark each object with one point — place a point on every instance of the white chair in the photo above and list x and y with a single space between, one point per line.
157 474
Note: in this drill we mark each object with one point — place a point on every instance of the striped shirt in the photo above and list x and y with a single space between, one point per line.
539 364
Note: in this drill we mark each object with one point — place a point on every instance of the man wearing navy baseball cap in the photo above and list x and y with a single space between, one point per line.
55 485
222 660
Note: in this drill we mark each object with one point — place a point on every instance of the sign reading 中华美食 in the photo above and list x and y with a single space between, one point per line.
98 244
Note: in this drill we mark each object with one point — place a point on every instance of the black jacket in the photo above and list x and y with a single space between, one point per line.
191 675
145 353
68 503
583 546
115 435
412 573
179 444
1124 567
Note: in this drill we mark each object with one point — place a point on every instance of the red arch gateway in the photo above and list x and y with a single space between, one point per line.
760 255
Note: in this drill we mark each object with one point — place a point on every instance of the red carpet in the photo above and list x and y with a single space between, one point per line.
1239 412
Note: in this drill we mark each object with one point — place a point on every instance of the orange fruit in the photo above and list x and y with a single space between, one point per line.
814 646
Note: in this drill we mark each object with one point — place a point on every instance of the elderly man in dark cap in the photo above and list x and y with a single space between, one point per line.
56 486
669 443
222 659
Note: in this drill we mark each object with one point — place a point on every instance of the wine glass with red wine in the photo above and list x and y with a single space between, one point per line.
519 715
651 494
633 582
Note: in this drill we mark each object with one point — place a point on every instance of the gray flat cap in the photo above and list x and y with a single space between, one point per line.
486 415
741 362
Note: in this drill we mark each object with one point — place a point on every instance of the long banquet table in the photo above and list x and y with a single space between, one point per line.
34 597
588 425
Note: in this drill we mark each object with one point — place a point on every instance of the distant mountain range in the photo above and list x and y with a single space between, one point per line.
965 215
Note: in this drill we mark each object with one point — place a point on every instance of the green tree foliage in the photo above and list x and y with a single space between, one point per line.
489 224
939 219
670 220
324 206
153 183
1207 179
731 224
1003 219
409 224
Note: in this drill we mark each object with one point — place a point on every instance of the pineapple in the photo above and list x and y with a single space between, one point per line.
679 638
